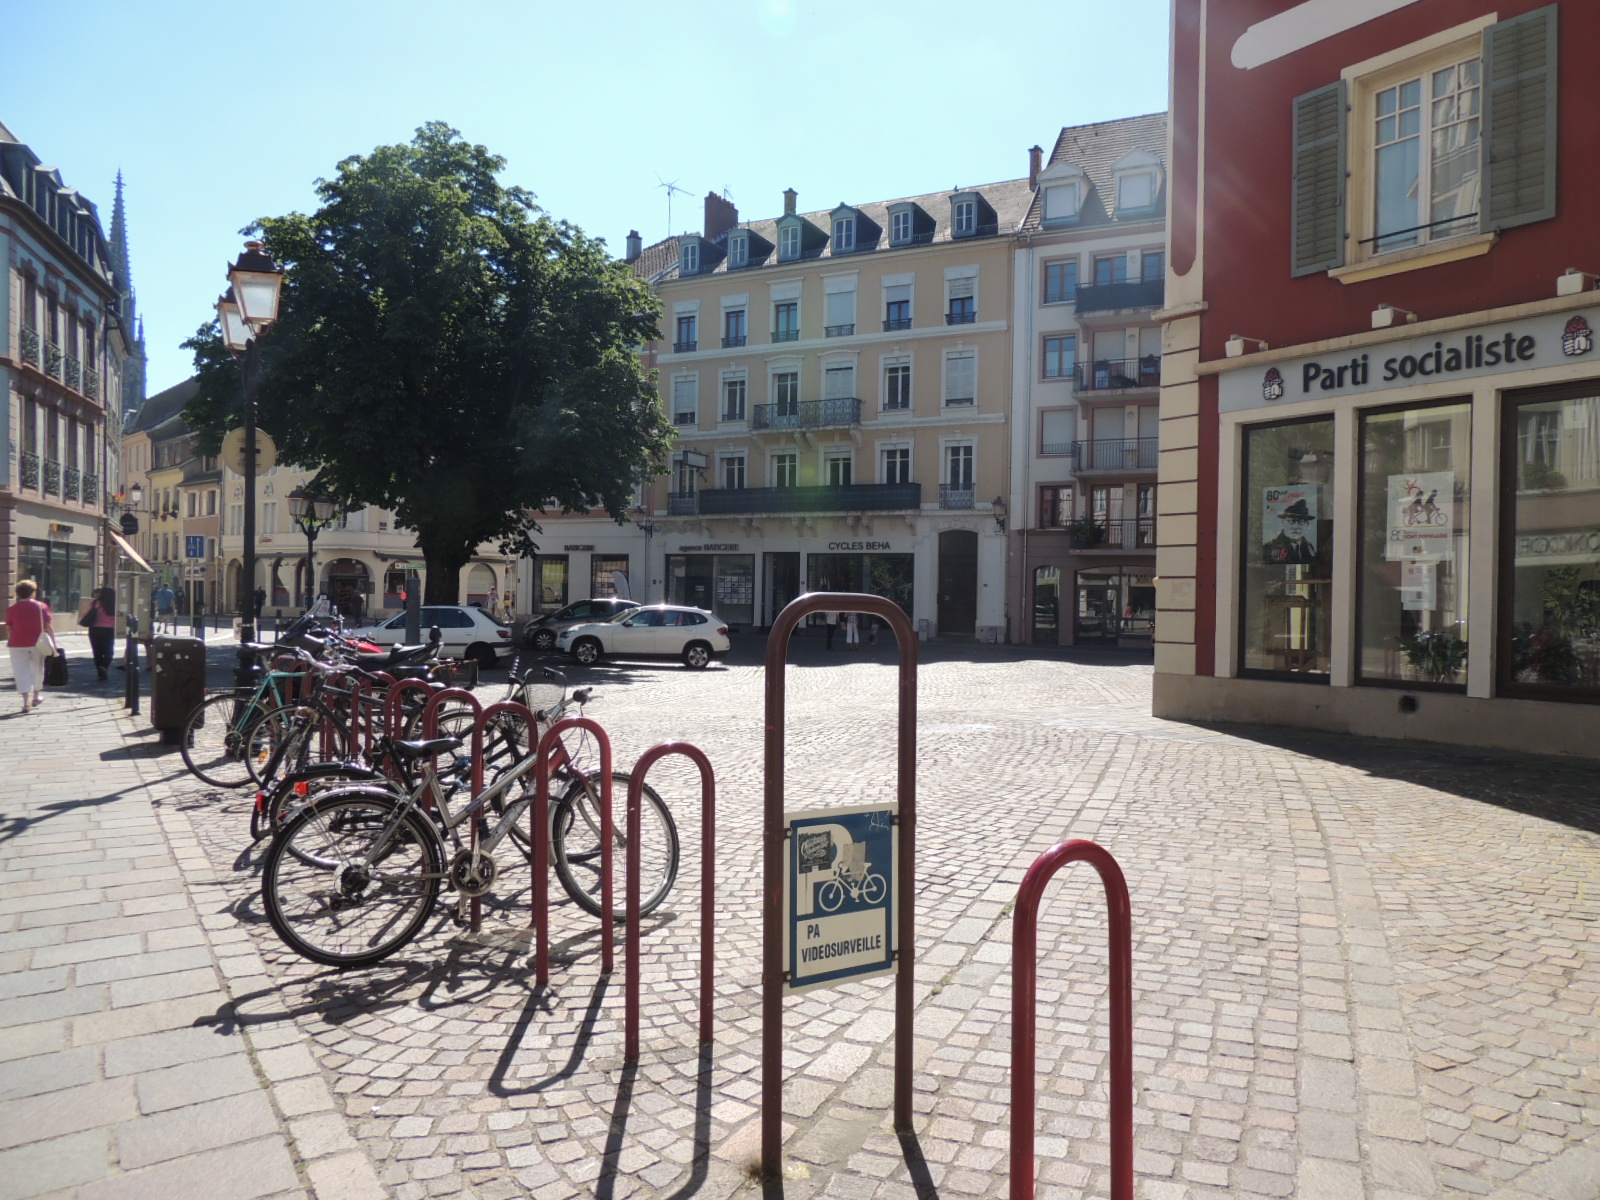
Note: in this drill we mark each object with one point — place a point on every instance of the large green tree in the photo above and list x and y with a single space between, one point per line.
446 350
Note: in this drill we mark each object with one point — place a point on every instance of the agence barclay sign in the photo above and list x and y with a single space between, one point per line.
1540 342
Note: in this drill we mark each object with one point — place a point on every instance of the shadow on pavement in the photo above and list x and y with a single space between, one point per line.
1548 787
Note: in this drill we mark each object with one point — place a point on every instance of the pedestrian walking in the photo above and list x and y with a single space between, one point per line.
29 637
261 601
101 620
166 616
852 631
830 622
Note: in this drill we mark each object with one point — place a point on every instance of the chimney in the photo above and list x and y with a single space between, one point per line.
721 216
1035 159
789 197
635 246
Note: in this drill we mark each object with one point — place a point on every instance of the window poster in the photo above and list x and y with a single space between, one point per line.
1420 507
1289 514
1419 585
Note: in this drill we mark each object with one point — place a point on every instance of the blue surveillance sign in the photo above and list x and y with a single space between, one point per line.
839 895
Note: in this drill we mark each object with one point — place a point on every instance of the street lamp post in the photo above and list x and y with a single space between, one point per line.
312 514
246 311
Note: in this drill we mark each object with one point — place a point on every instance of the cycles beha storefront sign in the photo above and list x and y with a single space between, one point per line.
1538 342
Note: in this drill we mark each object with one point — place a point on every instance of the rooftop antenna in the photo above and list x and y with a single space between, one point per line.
671 188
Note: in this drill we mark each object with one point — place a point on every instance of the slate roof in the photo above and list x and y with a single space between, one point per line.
1095 149
654 260
1009 198
162 407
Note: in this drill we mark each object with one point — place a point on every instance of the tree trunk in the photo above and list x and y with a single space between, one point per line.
443 584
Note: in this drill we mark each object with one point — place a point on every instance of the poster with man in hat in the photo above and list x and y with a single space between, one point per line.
1291 511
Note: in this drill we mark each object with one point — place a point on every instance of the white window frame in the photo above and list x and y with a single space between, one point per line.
844 234
789 243
690 382
947 458
739 250
775 459
742 379
1063 263
833 373
900 228
689 258
832 455
1062 201
964 217
725 464
898 362
946 399
887 448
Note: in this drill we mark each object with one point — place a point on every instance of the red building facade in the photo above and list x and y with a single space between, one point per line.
1380 433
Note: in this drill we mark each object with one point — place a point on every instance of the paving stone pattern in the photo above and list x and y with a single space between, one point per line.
1361 969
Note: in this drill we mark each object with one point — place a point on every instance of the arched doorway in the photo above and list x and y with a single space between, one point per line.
958 583
481 587
348 583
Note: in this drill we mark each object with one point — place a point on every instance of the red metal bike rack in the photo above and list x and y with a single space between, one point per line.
430 729
708 889
772 975
361 708
1025 948
540 837
391 703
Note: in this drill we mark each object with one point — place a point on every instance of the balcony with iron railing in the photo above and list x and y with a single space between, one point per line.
968 317
72 375
52 361
733 342
91 488
1105 533
71 481
839 330
953 495
846 498
1118 454
684 347
1116 297
52 477
808 414
91 383
1117 374
1059 449
28 470
895 324
30 347
786 335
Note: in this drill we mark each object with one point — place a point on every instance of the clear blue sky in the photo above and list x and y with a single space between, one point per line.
215 118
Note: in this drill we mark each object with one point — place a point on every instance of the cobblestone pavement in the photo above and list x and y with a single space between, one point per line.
1361 969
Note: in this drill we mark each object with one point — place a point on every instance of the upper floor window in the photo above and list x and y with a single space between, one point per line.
839 313
785 470
1055 506
733 471
739 251
1061 202
897 384
964 217
896 307
839 468
1136 191
733 399
897 464
1060 356
685 400
689 258
900 227
963 308
786 321
961 378
839 382
844 234
1153 265
786 393
1061 282
789 242
686 340
1110 268
733 327
1452 140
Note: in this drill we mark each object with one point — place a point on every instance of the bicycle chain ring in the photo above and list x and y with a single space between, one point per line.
473 873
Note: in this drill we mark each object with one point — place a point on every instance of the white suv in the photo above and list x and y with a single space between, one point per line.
656 630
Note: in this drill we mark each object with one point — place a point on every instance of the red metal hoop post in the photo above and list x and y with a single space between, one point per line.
772 857
362 704
1024 1039
540 835
391 702
430 729
708 890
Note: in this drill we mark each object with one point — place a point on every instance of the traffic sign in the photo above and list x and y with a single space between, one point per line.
839 895
232 453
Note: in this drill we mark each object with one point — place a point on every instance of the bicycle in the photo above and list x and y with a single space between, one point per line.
355 872
854 878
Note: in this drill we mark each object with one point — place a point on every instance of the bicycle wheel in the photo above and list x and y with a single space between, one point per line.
575 846
291 739
830 895
351 879
875 889
213 746
286 798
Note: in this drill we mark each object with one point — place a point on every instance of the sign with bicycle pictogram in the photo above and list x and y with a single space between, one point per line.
839 895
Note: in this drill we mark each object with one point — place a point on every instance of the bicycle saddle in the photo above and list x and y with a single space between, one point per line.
427 749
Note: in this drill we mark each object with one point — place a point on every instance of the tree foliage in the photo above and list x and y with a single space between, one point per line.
448 351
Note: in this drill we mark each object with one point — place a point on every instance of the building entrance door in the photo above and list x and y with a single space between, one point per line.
958 583
782 580
1099 609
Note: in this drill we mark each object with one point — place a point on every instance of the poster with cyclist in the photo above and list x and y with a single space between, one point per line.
1421 506
839 895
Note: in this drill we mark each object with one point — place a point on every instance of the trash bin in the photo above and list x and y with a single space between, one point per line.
177 683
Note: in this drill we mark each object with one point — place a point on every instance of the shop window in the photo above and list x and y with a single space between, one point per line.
1286 572
1414 534
1550 545
603 574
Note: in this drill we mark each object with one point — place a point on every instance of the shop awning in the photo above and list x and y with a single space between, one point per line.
127 548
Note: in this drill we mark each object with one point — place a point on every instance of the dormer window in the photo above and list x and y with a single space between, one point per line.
1136 191
900 227
788 243
1061 202
844 234
689 258
739 250
964 218
1138 184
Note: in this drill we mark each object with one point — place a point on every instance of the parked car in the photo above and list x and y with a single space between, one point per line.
541 634
467 632
692 634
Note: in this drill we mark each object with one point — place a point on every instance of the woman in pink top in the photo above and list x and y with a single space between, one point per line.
27 622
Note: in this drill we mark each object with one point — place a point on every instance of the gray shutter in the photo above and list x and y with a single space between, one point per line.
1318 211
1519 119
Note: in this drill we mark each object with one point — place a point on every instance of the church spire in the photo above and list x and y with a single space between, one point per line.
133 375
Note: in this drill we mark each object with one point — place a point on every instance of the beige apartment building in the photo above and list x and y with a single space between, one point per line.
1089 280
840 380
